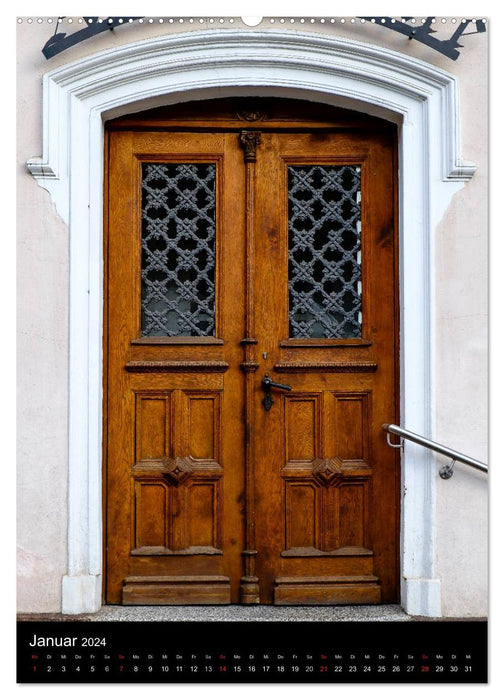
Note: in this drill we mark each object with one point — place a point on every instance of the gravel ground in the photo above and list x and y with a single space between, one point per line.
235 613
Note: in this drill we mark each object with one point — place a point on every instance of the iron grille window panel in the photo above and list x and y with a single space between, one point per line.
325 286
178 249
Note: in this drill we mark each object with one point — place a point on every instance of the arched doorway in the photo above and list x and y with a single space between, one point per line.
421 99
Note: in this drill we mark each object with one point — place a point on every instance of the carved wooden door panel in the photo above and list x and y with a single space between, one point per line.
237 257
326 483
174 383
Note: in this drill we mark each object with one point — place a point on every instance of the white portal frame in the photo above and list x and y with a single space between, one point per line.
198 65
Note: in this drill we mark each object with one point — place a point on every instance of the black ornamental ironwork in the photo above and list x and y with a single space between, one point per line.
423 33
60 42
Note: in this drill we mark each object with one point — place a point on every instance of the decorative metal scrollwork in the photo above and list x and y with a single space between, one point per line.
423 32
178 249
60 41
324 251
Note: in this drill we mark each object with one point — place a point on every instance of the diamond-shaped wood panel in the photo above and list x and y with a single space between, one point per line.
177 470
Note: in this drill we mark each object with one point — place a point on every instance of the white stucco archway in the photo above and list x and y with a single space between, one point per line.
78 97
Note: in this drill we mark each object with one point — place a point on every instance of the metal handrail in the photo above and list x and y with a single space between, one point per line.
446 472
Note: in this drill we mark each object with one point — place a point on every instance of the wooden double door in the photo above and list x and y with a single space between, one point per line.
249 246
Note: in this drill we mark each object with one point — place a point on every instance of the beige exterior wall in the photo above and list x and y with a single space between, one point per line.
460 321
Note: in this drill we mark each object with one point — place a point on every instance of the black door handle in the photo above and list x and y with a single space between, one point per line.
267 384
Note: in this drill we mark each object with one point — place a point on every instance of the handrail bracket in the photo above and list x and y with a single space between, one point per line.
446 472
397 445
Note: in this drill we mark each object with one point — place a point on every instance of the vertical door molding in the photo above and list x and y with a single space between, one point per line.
79 96
249 583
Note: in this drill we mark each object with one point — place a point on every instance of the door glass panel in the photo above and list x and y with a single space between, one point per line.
325 286
178 249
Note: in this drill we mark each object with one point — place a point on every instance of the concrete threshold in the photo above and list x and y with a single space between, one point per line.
232 613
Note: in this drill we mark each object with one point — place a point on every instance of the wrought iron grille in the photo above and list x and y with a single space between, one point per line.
325 287
178 249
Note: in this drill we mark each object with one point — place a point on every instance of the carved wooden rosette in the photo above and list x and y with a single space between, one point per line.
249 583
327 472
251 115
176 471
